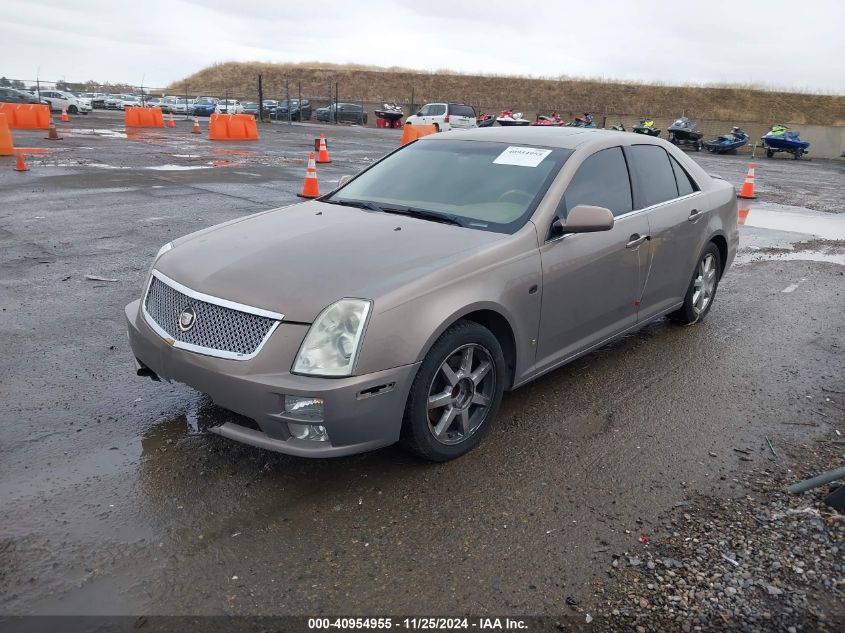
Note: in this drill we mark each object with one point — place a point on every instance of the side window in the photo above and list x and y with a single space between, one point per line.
425 110
601 180
686 185
655 176
438 109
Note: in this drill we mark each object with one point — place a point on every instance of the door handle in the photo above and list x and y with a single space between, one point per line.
695 215
635 240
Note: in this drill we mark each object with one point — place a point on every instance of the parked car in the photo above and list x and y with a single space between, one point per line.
342 113
153 102
204 106
298 111
95 99
182 106
168 104
229 106
270 107
129 101
444 116
250 107
61 100
114 102
11 95
432 294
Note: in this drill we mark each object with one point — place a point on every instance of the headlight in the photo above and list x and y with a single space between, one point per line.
331 345
162 251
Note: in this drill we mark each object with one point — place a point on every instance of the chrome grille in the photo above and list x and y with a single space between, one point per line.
217 330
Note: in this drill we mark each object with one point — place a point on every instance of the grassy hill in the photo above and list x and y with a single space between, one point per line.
493 93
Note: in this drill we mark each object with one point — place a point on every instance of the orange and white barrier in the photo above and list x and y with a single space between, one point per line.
30 116
413 132
143 117
7 146
232 127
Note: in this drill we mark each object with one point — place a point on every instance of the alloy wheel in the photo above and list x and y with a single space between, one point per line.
461 393
704 284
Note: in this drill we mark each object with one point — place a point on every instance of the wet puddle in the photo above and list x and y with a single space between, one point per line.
95 132
233 152
178 167
793 219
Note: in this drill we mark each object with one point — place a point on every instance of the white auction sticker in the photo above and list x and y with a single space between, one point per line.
522 156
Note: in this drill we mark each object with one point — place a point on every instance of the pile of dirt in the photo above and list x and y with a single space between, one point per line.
372 84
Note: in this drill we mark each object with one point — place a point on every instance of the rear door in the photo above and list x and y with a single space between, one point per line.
461 116
674 206
591 280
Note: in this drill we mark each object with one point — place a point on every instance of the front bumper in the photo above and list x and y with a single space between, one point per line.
361 413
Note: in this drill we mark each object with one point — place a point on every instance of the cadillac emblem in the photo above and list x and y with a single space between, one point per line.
187 319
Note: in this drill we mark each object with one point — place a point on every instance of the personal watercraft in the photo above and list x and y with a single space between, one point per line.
685 132
780 139
726 142
509 117
646 126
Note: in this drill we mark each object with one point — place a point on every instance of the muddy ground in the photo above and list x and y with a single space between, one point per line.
114 500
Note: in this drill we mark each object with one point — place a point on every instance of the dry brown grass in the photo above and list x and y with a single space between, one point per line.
493 92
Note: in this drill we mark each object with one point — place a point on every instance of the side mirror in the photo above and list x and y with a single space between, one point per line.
585 218
343 180
419 113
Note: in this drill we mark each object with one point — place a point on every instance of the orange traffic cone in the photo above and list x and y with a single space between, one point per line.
196 127
20 163
310 188
323 154
65 117
747 189
742 215
171 122
52 134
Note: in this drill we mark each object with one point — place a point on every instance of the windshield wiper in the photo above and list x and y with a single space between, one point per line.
358 204
424 214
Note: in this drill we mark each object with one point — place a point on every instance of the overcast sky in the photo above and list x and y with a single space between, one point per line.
775 42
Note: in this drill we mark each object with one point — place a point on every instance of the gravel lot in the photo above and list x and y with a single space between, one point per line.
113 499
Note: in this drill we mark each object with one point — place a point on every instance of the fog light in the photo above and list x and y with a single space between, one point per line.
311 408
313 432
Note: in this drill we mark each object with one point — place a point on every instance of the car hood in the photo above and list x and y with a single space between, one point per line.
298 260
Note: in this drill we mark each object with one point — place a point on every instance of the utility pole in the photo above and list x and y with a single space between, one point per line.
260 99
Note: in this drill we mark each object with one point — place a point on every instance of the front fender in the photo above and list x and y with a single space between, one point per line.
504 280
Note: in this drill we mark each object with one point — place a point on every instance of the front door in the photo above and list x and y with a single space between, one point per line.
591 281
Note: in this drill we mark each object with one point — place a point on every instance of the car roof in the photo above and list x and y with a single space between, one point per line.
549 136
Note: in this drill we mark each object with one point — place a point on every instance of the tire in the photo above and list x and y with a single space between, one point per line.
436 127
769 153
463 407
705 279
72 110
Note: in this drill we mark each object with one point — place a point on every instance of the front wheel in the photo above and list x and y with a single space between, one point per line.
702 289
769 153
72 110
455 395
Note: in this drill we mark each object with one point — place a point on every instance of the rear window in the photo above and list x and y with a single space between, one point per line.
686 185
456 109
655 176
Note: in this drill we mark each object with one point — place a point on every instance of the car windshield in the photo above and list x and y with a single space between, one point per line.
480 185
204 100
